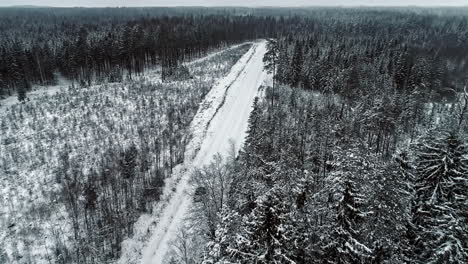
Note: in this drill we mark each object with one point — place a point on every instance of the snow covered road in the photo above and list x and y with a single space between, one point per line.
222 116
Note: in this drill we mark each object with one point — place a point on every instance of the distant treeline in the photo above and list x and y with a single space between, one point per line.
345 53
106 44
357 154
90 45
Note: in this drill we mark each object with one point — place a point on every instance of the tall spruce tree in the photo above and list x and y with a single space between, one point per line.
295 73
439 218
343 246
262 237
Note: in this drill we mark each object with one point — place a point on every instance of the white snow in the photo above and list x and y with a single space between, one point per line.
36 91
30 185
214 53
222 118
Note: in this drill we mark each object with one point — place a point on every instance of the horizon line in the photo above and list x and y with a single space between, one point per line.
238 6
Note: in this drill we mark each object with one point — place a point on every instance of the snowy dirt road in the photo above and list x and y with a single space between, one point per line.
222 117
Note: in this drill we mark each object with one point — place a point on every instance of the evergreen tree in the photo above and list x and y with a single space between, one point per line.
282 65
217 249
295 74
128 162
262 236
439 213
22 94
351 88
342 245
270 61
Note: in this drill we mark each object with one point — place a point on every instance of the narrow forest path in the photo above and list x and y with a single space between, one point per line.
225 111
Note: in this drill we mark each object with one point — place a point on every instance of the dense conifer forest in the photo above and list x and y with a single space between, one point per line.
95 45
355 150
314 185
356 154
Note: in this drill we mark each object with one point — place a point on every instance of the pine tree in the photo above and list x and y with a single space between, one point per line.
342 245
270 61
21 94
224 238
295 75
253 140
271 57
352 88
128 162
388 203
282 65
262 235
439 215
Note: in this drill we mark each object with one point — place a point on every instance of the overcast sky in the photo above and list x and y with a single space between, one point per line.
100 3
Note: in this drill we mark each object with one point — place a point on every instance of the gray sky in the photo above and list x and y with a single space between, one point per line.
101 3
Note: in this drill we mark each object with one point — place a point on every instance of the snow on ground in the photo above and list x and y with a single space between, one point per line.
62 83
153 73
215 53
33 180
37 91
222 117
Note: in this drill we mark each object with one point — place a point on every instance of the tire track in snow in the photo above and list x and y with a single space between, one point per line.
230 104
228 87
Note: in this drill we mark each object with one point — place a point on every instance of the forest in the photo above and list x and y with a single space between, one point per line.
93 46
356 152
80 166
